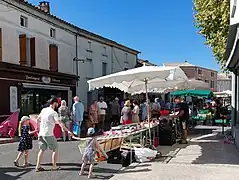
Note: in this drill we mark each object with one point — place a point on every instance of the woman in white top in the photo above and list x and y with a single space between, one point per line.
135 112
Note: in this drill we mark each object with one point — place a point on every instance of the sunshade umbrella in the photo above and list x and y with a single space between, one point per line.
146 78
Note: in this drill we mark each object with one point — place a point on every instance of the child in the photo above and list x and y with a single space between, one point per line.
90 152
25 143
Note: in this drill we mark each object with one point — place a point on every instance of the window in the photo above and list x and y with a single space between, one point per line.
199 71
89 66
23 21
52 33
53 57
212 74
104 52
27 50
212 84
104 69
89 49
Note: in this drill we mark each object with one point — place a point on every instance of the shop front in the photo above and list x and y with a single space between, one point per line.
28 89
232 56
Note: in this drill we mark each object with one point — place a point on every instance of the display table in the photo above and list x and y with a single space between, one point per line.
122 138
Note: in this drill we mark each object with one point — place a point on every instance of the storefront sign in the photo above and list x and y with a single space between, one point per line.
56 80
46 80
13 99
32 78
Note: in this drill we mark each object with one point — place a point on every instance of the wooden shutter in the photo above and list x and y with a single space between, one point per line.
33 52
1 44
23 49
53 55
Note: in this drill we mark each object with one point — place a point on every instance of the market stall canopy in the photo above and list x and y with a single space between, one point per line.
158 78
200 93
223 94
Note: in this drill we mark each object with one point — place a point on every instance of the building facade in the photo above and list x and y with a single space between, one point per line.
231 57
224 82
42 55
198 73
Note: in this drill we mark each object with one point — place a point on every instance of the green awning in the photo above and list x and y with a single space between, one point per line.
200 93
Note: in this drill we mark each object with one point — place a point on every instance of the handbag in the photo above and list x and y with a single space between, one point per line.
75 128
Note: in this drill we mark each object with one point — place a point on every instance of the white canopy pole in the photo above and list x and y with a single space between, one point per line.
148 110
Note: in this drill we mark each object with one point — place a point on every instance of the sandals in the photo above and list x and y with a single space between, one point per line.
27 165
40 169
16 163
56 169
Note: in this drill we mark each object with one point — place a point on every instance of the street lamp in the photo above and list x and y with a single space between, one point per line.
76 59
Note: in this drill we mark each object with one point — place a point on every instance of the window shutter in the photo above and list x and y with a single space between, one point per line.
1 44
33 51
23 49
53 55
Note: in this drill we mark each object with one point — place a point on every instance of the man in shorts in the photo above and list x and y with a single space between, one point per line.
48 118
183 115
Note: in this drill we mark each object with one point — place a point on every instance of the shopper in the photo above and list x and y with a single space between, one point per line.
135 112
48 118
115 112
90 152
102 113
25 143
64 114
126 113
93 115
183 115
78 114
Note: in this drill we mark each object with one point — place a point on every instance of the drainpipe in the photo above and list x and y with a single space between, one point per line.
77 70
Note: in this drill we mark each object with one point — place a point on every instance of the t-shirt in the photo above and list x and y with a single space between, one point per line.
183 106
102 105
48 118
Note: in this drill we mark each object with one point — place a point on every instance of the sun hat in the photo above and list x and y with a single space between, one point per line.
91 131
25 118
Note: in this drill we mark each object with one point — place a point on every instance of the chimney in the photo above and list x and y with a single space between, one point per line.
44 6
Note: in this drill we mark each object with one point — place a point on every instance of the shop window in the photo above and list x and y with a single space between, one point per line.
53 57
27 50
0 44
23 21
104 69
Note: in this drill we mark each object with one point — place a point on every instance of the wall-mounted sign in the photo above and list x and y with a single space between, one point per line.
46 80
13 99
32 78
56 80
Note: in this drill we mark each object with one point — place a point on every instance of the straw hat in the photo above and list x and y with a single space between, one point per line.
24 118
127 103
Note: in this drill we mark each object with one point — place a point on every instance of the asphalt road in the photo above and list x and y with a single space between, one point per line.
69 161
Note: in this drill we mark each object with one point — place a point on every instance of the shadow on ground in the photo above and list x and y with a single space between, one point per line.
204 147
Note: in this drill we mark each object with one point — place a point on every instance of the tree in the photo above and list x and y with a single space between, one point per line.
212 17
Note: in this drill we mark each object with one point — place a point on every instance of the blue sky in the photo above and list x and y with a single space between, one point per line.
162 30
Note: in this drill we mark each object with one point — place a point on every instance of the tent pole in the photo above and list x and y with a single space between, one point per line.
148 111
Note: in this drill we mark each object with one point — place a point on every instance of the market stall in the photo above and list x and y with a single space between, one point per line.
142 80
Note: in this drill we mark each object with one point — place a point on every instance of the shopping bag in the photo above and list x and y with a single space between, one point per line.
144 154
75 128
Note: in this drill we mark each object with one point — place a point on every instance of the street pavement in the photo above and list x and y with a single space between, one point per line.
205 157
69 160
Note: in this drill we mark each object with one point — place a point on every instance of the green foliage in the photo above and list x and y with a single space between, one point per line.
212 17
